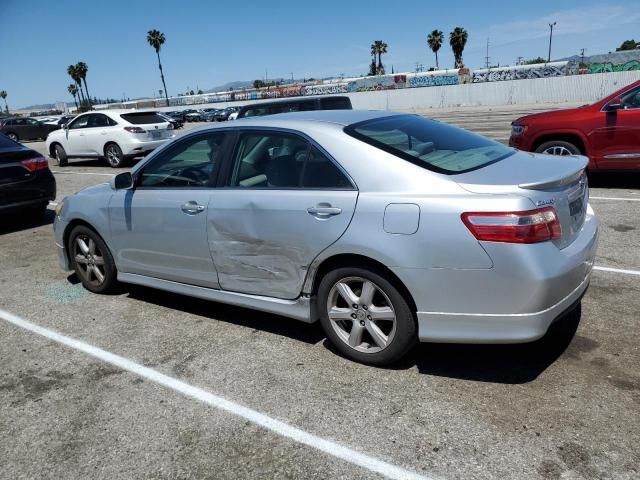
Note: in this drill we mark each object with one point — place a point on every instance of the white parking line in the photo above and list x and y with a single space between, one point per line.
623 199
617 270
327 446
66 172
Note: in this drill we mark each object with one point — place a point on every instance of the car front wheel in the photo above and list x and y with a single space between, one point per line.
61 156
558 147
13 136
91 259
365 317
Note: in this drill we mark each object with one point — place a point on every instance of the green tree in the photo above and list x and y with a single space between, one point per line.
72 70
434 40
627 45
372 66
200 92
258 84
379 48
3 95
458 39
82 69
534 60
73 90
156 39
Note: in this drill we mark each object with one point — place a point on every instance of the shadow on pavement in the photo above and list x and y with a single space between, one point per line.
511 364
630 180
16 223
278 325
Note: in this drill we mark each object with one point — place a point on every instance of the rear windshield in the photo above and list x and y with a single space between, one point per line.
336 103
430 144
143 118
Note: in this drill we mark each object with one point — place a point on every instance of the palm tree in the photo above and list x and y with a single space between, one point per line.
156 39
72 70
434 40
3 95
457 40
380 47
83 68
73 90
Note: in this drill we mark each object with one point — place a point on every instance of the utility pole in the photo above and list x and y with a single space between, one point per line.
582 56
551 25
486 59
519 61
291 77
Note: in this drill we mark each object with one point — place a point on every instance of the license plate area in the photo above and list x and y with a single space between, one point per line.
156 135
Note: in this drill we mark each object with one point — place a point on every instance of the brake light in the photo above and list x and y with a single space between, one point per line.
135 129
35 164
530 226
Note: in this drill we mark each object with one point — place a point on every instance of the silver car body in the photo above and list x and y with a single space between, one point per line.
262 248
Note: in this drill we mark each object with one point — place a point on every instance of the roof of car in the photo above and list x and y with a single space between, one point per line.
340 117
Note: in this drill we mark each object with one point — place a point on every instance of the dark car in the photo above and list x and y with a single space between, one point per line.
295 105
25 128
223 114
177 123
607 131
26 183
177 115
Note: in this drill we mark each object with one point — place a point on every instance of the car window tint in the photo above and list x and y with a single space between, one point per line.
80 122
429 144
269 160
97 120
255 112
336 103
632 99
189 163
143 118
31 121
320 172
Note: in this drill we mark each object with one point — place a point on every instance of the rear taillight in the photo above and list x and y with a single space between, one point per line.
35 164
135 129
530 226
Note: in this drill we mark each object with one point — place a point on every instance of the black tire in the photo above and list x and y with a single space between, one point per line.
90 281
113 154
61 155
13 136
560 146
404 335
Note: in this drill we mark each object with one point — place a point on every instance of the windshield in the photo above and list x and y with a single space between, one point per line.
430 144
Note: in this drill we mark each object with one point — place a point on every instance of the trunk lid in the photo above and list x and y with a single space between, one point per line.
546 180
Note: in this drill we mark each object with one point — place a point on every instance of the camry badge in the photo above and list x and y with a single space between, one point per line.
542 203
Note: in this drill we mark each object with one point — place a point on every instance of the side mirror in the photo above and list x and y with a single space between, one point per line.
614 105
122 181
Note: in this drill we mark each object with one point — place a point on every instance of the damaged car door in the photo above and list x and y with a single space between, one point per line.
284 201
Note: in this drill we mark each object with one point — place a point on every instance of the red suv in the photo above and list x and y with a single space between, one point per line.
608 131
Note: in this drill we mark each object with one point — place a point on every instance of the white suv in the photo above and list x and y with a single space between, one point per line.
112 134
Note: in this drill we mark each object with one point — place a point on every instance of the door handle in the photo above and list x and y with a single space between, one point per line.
192 208
324 211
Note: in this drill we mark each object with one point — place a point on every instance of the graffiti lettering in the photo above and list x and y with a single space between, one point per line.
610 67
325 89
433 80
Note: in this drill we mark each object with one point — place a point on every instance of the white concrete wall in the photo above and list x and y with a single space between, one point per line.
575 88
570 89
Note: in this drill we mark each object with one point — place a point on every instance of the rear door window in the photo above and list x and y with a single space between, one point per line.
320 172
143 118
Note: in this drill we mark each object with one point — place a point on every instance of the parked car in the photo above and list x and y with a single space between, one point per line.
173 121
25 128
608 131
111 134
222 115
193 116
177 115
26 183
209 115
388 228
233 115
260 109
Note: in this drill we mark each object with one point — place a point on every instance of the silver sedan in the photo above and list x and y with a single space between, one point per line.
387 228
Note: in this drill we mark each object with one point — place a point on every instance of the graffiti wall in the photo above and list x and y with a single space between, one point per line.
521 72
610 67
432 80
326 89
381 82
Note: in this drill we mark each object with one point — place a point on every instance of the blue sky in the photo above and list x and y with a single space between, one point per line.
211 43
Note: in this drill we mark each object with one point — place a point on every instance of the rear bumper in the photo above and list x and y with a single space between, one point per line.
34 192
515 301
138 148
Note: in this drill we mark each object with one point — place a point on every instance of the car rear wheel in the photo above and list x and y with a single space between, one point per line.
114 155
91 260
365 317
558 147
61 156
13 136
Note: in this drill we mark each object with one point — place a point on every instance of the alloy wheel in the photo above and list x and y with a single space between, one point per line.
113 155
361 314
13 137
89 259
557 150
